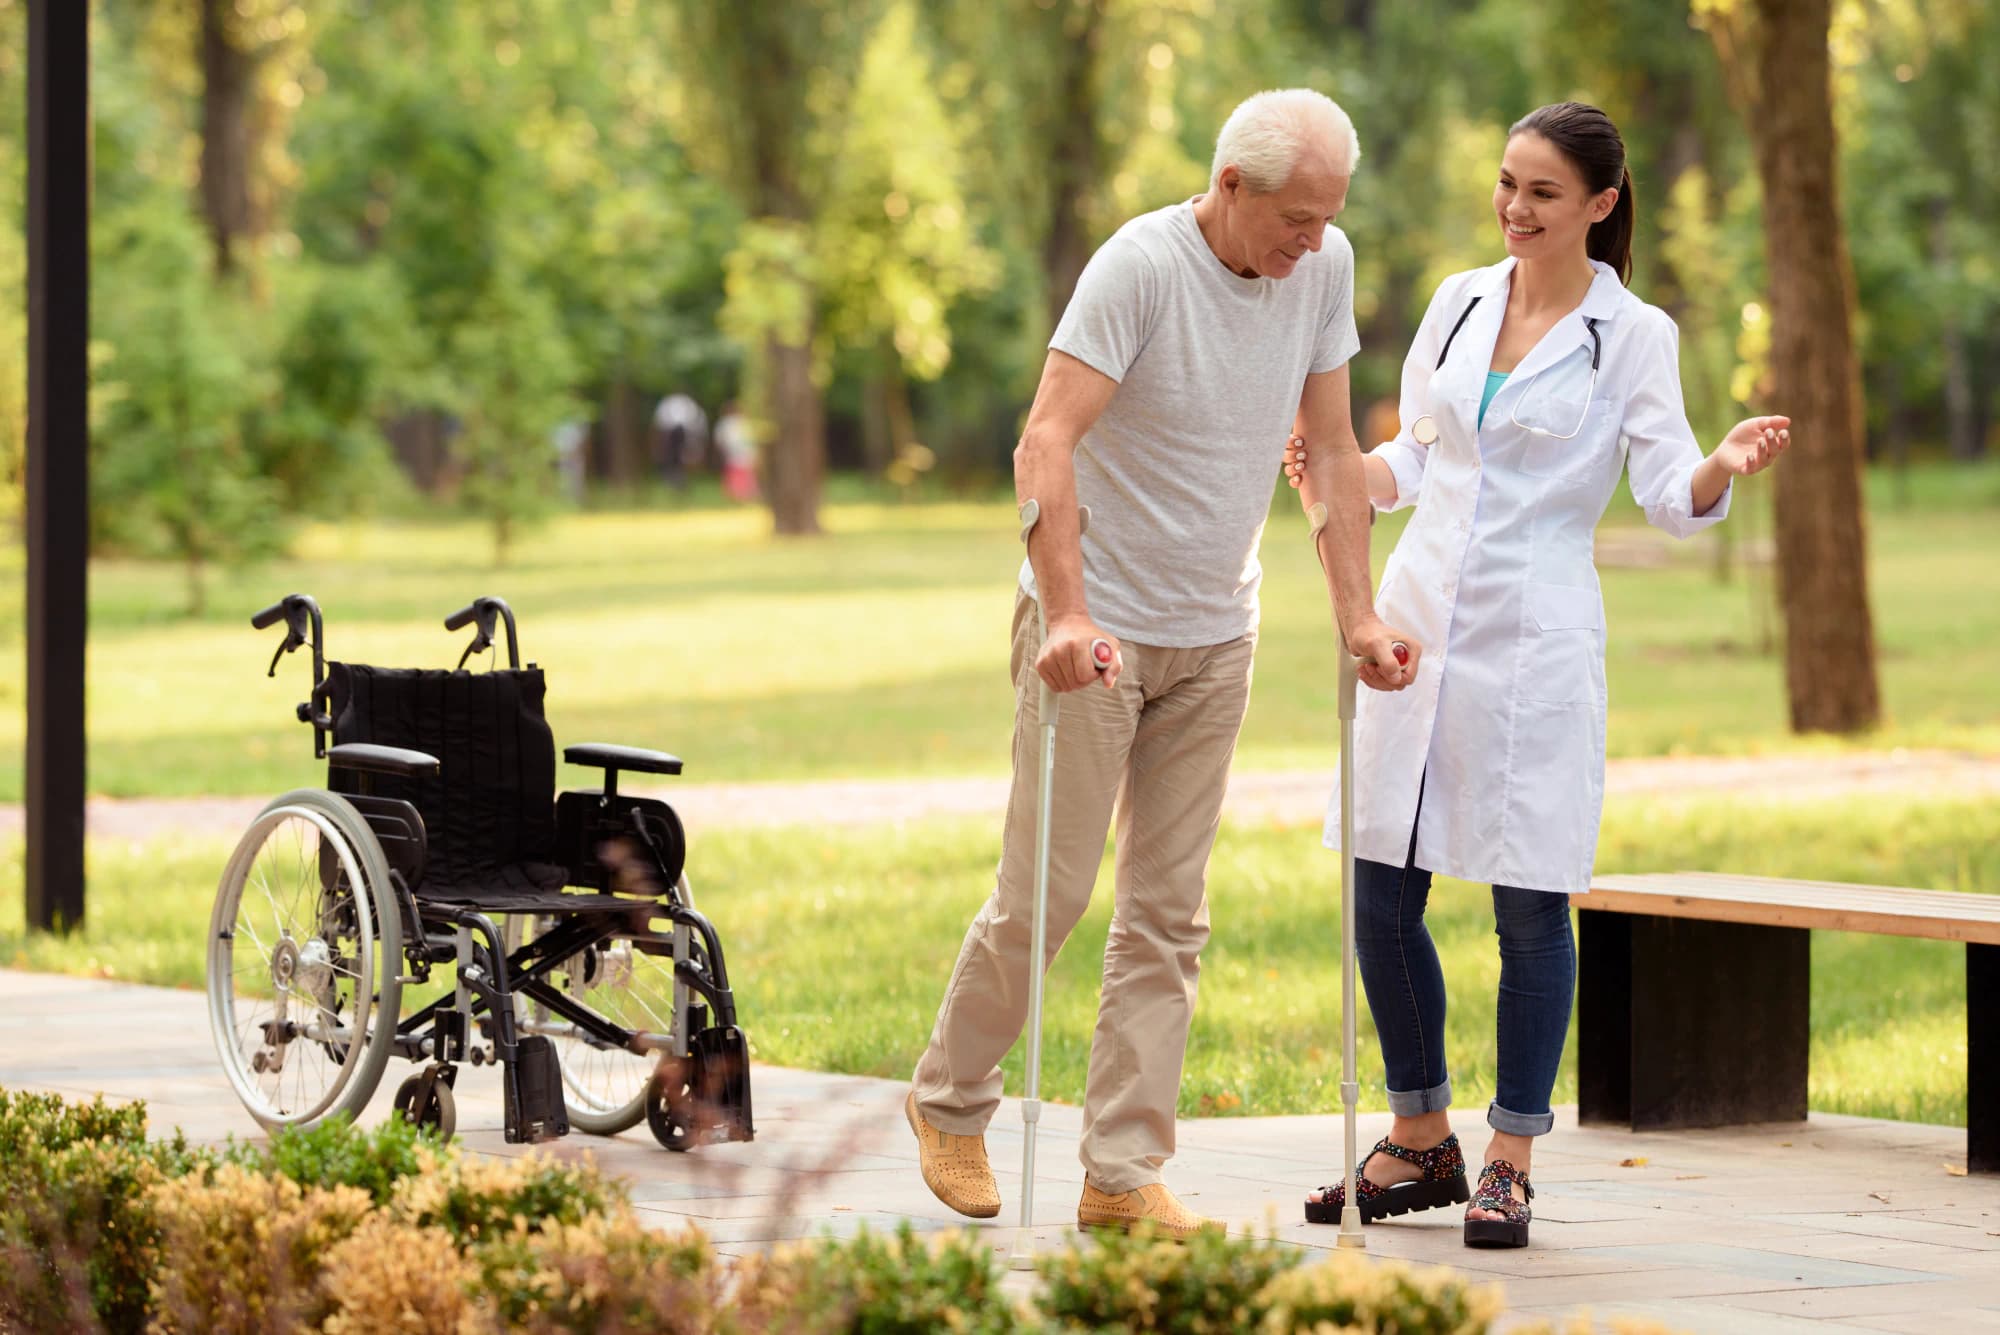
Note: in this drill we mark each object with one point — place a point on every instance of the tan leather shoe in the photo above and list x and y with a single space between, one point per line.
955 1167
1153 1204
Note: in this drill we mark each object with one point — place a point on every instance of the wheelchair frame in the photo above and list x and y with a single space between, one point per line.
699 1089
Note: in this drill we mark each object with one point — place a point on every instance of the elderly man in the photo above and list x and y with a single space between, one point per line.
1198 336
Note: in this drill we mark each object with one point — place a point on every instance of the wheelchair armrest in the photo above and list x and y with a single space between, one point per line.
602 755
372 759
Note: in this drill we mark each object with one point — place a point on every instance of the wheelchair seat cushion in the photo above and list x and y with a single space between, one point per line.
489 812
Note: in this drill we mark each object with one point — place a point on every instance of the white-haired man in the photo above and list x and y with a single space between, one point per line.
1197 336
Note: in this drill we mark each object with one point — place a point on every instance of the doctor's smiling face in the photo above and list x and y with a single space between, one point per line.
1544 206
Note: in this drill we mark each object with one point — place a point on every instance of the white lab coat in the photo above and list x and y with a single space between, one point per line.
1504 725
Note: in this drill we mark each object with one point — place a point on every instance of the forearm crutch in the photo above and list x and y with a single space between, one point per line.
1047 706
1350 1089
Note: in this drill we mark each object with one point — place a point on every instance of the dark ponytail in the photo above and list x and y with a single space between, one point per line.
1591 142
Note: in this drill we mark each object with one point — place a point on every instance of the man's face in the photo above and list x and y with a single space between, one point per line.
1274 231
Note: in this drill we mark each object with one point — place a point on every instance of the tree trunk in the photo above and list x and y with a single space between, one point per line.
226 139
1073 156
795 460
1821 529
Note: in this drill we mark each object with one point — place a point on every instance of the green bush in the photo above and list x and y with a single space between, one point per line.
78 1233
1348 1292
606 1273
476 1199
876 1285
1211 1283
337 1153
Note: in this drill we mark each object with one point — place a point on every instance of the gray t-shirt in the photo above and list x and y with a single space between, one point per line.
1178 470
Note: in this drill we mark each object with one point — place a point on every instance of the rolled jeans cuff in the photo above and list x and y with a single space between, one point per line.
1417 1102
1517 1124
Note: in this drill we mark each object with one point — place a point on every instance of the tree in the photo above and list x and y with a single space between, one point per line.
767 81
1776 55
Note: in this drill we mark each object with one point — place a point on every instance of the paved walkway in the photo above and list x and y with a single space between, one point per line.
1293 797
1834 1225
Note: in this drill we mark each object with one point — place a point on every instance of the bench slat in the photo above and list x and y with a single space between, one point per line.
1942 915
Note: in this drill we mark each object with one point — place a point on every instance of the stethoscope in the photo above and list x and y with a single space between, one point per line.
1425 431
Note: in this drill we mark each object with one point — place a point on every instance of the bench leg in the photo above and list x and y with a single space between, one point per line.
1715 1021
1982 1057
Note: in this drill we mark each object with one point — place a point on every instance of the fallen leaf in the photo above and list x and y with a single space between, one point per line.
1956 1170
1689 1177
1784 1144
843 1207
1639 1162
1878 1196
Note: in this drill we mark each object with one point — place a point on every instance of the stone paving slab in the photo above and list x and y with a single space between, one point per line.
1833 1225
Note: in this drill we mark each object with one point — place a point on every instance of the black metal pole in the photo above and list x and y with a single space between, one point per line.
58 518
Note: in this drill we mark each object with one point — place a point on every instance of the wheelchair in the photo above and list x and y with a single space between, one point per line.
578 961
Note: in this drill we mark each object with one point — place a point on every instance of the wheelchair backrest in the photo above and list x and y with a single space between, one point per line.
492 803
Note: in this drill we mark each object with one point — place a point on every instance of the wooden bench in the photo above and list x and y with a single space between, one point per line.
1693 992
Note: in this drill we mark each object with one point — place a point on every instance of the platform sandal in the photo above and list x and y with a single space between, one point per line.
1442 1183
1496 1193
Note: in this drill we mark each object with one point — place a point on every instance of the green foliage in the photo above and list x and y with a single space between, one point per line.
1349 1292
78 1236
475 1199
171 466
875 1285
1211 1284
337 1153
515 371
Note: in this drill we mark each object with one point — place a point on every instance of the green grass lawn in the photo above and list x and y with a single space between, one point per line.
881 648
840 943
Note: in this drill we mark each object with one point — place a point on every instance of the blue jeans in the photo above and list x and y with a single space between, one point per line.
1405 985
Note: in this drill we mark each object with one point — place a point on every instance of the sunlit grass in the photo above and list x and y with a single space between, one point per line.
881 648
840 942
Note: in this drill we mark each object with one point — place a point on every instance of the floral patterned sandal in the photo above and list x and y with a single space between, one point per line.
1442 1183
1496 1193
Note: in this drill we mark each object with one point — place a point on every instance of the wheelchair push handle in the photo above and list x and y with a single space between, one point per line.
302 626
486 612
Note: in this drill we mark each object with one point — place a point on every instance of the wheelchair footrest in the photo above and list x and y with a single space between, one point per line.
534 1089
725 1081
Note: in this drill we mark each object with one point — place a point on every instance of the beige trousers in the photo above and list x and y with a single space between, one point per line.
1159 745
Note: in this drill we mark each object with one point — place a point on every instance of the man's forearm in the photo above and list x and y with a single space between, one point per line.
1336 478
1045 472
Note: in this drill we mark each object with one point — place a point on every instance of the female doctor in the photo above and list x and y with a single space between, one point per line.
1531 386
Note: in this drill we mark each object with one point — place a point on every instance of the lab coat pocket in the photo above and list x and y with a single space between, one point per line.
1569 460
1551 819
1562 661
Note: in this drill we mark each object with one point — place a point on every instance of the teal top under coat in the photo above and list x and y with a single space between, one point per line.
1494 379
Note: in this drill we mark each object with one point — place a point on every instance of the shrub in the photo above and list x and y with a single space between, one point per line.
1211 1283
607 1273
78 1239
336 1153
1348 1292
474 1198
387 1278
876 1285
247 1250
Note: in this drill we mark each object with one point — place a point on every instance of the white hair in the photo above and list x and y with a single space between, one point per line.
1266 134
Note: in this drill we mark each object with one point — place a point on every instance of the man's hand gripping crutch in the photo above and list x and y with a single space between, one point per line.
1081 656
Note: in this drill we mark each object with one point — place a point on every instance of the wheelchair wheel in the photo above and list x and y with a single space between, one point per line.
439 1112
304 952
604 1088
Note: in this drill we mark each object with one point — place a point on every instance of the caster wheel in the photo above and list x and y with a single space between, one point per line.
438 1113
670 1105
